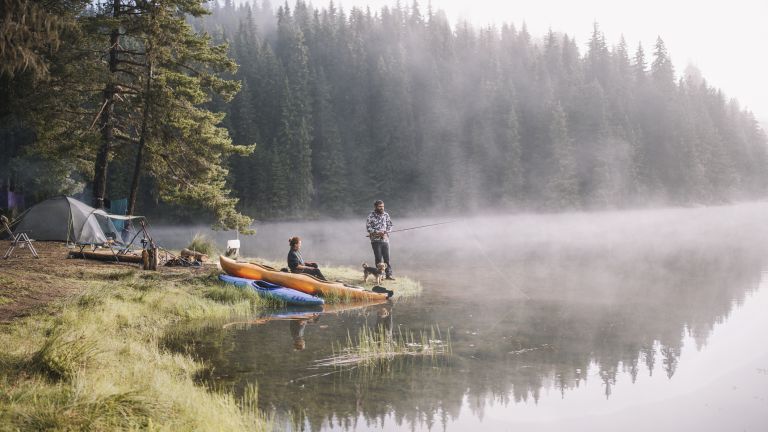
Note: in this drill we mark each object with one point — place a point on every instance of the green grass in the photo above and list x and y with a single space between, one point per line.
100 360
230 294
93 362
8 283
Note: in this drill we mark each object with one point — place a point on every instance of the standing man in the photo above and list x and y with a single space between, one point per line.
379 225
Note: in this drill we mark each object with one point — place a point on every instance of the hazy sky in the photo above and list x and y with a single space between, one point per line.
725 39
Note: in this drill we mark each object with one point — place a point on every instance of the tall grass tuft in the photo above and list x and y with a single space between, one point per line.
120 275
75 408
375 347
62 355
249 406
201 243
91 299
144 286
229 294
211 278
249 402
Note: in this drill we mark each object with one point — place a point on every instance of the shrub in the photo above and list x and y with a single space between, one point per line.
201 243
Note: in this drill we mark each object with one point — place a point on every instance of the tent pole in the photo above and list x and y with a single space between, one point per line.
70 224
133 239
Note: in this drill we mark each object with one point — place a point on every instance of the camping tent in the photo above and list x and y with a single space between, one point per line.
67 219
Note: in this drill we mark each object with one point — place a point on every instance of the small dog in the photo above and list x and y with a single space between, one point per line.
377 272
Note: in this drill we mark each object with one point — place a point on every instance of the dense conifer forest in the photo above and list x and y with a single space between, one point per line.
346 106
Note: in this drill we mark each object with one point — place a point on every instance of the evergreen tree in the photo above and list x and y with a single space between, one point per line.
662 71
640 65
598 59
330 165
508 172
292 51
351 106
29 29
280 167
561 190
147 103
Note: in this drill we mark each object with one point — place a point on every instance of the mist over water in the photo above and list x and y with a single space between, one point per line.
484 246
580 321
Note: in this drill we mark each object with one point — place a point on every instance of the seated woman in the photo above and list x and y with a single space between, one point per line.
296 262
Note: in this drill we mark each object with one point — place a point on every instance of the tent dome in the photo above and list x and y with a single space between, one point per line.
67 219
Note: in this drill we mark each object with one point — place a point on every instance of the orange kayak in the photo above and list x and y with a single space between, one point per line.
300 282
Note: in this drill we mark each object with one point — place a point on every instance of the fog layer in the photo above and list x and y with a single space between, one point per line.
551 317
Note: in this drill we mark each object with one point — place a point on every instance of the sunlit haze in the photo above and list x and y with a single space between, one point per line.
384 215
723 39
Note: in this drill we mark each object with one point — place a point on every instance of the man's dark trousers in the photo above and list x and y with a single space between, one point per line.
381 252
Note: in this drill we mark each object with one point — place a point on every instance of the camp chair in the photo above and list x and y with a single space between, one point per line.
20 239
233 248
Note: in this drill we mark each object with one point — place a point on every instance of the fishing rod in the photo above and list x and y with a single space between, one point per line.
417 227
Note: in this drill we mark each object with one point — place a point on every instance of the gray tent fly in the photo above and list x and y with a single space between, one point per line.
67 219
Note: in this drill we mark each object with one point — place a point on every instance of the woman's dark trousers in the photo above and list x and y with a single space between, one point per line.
314 272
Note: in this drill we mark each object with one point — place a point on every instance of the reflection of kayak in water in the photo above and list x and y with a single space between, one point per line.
303 312
268 290
300 282
289 313
341 307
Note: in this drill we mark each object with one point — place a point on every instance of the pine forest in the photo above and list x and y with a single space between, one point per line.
252 110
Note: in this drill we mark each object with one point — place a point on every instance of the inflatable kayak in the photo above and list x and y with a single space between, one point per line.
268 290
300 282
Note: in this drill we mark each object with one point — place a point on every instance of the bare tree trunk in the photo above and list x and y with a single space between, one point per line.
106 117
142 142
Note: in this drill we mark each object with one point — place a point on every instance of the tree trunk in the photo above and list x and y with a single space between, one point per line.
136 177
106 118
142 142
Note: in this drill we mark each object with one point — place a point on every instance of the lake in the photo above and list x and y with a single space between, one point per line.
627 320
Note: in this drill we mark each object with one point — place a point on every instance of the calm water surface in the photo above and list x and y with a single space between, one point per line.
644 320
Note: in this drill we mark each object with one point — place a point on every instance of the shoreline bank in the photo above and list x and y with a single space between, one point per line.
87 353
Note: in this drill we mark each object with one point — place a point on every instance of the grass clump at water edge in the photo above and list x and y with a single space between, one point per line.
376 346
223 292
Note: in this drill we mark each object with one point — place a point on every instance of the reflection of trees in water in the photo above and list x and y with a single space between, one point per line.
616 314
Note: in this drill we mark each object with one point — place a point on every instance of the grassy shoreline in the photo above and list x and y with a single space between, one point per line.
94 360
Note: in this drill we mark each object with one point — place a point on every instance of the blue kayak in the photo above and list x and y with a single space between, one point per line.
270 290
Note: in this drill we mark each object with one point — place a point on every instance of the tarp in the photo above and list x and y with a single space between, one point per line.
118 207
11 200
67 219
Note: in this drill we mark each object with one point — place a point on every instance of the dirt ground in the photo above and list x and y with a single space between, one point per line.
28 283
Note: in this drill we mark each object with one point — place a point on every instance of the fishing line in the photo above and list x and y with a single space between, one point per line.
417 227
493 265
